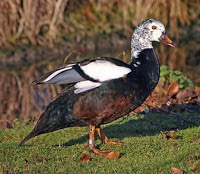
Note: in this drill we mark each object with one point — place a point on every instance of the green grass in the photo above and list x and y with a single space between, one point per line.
145 150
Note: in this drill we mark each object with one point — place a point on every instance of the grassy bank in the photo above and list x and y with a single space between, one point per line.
145 150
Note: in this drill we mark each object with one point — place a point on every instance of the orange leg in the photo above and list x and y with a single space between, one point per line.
92 143
105 139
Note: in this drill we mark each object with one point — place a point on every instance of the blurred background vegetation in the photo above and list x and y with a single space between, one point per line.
35 33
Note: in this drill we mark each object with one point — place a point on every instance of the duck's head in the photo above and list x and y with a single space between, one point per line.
147 32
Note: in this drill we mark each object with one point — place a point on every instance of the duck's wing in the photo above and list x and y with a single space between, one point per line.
63 75
87 74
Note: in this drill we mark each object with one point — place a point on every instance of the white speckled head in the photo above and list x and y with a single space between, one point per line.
152 29
145 33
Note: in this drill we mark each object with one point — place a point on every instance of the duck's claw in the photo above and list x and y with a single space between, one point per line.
99 152
105 139
114 143
107 153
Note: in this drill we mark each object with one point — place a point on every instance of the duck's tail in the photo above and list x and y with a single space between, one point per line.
48 122
44 125
28 137
56 116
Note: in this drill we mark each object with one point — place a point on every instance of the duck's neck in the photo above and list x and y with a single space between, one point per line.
138 46
139 43
146 67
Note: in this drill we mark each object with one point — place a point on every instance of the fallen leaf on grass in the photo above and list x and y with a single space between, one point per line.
175 144
159 89
143 108
173 89
196 168
169 135
197 139
113 155
197 91
185 95
85 158
176 171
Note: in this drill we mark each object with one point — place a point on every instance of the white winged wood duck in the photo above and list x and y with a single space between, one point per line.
103 89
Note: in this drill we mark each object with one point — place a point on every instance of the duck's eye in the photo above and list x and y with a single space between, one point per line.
154 27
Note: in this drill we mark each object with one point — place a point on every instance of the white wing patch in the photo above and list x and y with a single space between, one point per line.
104 70
58 72
100 70
85 86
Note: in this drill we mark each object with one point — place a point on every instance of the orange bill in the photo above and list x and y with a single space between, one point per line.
166 40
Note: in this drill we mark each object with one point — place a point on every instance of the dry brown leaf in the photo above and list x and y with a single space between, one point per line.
175 144
85 158
176 171
196 168
185 94
197 91
197 139
160 89
169 135
113 155
142 108
173 89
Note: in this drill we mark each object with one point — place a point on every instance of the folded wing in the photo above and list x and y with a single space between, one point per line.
87 74
64 75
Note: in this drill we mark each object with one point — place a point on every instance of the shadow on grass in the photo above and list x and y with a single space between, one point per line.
147 125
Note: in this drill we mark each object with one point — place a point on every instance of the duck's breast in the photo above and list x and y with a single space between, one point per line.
109 101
